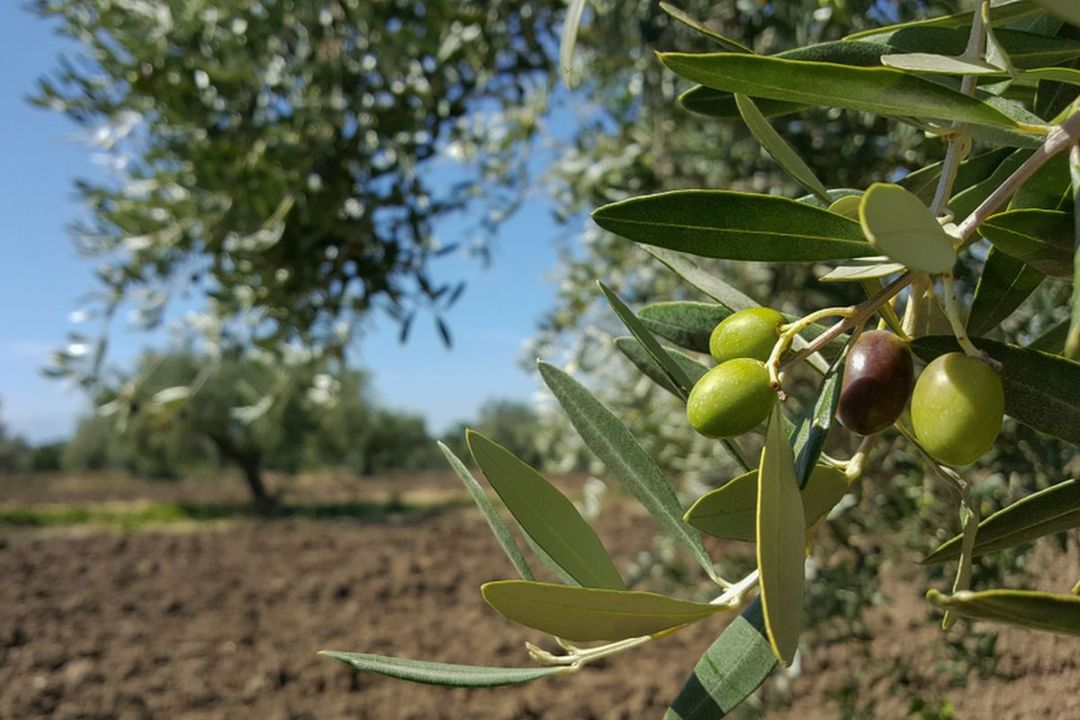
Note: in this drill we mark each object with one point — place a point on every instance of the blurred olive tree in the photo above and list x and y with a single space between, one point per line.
286 160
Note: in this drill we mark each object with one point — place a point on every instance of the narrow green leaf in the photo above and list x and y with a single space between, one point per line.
643 361
1002 13
940 64
734 226
1043 239
1069 76
669 365
730 511
543 512
1050 188
693 24
498 527
1072 341
722 292
781 541
687 324
965 201
433 673
923 182
899 225
706 282
609 439
1004 284
731 669
870 89
859 269
811 431
1064 9
586 614
1041 390
1052 510
1024 608
778 148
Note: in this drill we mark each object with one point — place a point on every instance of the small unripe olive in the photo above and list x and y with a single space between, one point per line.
731 399
749 333
878 374
957 408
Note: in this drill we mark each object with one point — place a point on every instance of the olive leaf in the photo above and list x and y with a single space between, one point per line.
730 511
624 457
781 541
1043 239
1052 510
732 668
687 324
878 90
1066 9
808 438
545 514
434 673
585 614
899 225
1024 608
778 148
491 515
1004 284
734 226
636 353
674 371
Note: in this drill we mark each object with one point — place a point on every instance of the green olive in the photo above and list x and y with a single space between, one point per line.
957 408
731 399
749 333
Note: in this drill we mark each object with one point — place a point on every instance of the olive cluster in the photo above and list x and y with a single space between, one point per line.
957 404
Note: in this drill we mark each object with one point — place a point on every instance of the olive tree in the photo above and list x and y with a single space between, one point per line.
273 162
995 88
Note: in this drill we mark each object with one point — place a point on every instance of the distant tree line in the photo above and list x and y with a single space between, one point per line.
184 411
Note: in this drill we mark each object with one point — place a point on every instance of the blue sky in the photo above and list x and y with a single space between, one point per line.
42 278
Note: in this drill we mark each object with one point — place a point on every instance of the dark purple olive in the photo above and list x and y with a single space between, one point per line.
877 383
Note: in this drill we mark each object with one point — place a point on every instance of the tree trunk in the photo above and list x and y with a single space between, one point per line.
253 475
250 463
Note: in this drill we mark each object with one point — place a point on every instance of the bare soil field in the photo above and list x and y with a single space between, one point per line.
223 619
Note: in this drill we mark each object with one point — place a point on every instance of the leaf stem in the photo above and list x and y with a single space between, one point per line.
790 331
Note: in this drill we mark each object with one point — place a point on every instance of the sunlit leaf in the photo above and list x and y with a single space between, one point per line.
940 64
1065 9
543 512
725 42
1041 390
1052 510
585 614
687 324
870 89
433 673
899 225
730 511
609 439
859 269
781 541
1072 341
669 365
708 283
643 361
778 148
734 226
498 527
1043 239
731 669
1024 608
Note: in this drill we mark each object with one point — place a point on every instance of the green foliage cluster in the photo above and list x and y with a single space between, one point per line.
1006 91
278 157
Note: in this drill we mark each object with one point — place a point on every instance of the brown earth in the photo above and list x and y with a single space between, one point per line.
223 621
